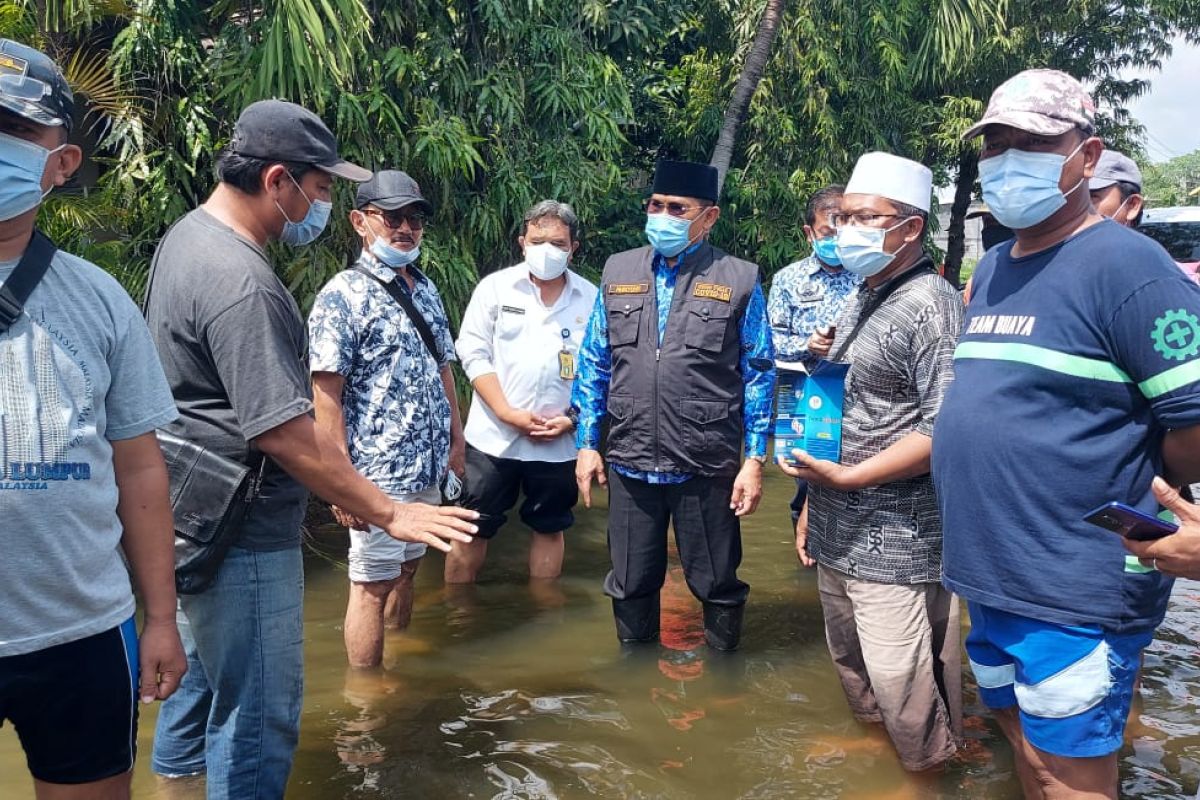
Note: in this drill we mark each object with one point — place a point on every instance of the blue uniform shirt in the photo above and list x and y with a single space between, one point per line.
590 392
805 296
1072 365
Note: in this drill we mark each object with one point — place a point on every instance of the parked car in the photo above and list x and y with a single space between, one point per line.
1178 230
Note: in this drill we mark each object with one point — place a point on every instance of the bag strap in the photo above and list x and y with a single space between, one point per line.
404 299
922 267
24 278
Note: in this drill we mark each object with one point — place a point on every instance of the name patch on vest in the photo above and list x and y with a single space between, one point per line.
628 288
512 310
713 291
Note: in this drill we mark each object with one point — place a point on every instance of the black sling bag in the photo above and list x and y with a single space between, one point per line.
404 300
922 267
24 279
210 495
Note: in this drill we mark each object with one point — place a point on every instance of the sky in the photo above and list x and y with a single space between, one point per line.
1169 109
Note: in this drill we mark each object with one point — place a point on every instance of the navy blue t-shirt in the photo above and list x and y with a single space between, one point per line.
1072 365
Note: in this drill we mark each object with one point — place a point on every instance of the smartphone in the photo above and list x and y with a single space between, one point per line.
1129 522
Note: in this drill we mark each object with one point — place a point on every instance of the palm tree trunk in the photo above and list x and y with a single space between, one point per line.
956 234
752 72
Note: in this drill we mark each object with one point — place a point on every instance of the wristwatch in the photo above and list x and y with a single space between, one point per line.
573 415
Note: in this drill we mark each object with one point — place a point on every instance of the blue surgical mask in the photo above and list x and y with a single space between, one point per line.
861 249
826 250
1021 188
391 256
394 257
668 235
22 165
308 229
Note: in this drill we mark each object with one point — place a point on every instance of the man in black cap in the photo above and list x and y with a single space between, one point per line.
83 482
678 359
386 396
233 345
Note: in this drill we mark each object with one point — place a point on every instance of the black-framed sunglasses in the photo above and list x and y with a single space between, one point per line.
652 206
395 220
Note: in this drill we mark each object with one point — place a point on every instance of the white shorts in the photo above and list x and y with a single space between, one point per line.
377 556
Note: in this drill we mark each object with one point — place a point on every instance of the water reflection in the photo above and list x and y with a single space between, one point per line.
509 689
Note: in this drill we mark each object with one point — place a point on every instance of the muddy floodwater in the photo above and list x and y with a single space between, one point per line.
508 690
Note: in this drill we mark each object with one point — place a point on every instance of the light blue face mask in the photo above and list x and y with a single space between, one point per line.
826 250
861 249
1021 188
22 165
668 235
308 229
393 257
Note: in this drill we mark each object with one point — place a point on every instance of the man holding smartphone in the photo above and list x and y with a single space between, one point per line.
1077 380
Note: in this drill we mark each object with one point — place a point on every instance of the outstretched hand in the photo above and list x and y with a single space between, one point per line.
436 526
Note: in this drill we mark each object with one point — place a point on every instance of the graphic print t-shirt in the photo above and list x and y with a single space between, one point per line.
77 371
1072 365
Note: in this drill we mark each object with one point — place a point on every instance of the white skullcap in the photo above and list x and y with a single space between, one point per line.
893 177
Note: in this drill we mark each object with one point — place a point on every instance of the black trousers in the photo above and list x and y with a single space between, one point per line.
707 532
797 504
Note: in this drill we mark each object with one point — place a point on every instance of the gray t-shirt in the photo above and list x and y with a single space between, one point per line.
233 346
77 371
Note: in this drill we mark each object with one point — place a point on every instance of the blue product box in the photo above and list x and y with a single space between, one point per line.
809 410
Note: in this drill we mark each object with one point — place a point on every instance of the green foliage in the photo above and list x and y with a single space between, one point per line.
1173 183
494 104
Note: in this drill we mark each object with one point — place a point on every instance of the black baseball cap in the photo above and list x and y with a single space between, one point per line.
32 86
390 189
276 130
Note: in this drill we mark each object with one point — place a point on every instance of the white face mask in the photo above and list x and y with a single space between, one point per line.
545 261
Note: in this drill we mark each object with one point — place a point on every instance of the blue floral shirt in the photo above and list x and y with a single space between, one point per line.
590 392
805 296
397 413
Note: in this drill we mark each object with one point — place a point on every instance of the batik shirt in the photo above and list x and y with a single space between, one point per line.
395 405
590 393
900 366
805 296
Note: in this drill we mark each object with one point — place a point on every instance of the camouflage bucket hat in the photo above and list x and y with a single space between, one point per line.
1041 101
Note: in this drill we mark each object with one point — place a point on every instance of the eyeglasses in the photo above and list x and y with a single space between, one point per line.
862 220
394 220
652 206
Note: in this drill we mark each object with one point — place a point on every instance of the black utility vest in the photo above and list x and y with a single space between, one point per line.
677 407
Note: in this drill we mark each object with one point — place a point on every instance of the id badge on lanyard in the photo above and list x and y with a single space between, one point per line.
566 360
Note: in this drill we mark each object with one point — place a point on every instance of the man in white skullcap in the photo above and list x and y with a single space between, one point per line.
871 524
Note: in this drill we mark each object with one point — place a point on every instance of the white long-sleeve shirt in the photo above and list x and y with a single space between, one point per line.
507 330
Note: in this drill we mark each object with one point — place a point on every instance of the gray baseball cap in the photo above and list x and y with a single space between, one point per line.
32 86
1042 101
390 189
1113 167
276 130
